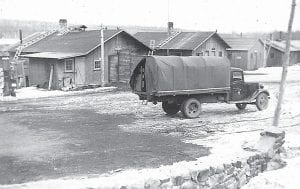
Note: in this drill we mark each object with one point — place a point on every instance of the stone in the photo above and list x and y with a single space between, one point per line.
213 180
242 181
177 181
164 181
227 166
189 185
166 185
237 164
230 170
273 132
203 175
151 184
219 169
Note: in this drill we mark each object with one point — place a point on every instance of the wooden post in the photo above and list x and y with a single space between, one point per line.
284 66
51 77
102 59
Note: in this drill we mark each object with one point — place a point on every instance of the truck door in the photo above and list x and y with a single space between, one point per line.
237 86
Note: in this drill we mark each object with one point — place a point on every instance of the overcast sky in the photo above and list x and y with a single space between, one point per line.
223 15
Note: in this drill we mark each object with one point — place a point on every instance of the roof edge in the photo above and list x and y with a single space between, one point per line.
113 37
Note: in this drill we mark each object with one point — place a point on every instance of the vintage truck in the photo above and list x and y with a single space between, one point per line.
183 83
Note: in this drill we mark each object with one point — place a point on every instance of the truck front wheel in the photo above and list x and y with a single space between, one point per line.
262 101
241 106
170 108
191 108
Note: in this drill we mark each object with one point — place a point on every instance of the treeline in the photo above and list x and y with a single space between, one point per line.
10 29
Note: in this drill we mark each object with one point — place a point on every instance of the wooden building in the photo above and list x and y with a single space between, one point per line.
245 52
276 50
184 43
74 58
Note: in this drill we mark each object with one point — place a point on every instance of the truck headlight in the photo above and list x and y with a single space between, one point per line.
261 86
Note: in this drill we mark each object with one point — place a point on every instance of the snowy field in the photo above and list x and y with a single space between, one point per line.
221 127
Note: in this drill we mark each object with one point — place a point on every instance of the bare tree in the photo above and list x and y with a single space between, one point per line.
285 64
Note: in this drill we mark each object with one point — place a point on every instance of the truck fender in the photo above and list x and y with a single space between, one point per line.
256 93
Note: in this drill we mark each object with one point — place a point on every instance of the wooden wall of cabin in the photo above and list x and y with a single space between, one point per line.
238 59
39 71
212 47
256 56
275 58
122 43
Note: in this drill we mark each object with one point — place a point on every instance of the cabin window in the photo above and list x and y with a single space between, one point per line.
220 54
97 64
206 53
272 55
213 52
199 54
69 65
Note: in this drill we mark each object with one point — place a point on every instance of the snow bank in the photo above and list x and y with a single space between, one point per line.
34 92
273 74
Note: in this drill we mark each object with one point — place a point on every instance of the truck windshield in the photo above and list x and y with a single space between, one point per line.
237 76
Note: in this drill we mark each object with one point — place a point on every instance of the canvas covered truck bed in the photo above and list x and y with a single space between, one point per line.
172 75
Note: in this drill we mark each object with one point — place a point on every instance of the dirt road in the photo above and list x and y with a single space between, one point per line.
94 134
79 135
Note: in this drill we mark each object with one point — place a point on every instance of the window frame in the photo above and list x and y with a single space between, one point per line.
96 69
67 61
220 53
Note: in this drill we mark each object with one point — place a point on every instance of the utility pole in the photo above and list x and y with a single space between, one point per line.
284 66
102 58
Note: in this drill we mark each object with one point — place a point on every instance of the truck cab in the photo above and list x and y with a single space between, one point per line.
243 93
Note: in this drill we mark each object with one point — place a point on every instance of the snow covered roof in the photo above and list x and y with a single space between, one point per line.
237 42
280 45
182 41
73 42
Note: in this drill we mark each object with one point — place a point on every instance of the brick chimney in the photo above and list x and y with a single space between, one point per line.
63 25
170 28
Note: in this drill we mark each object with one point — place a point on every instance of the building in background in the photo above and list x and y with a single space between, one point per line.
175 43
72 57
245 52
276 50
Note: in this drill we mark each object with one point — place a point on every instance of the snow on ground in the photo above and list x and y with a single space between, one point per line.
227 129
273 74
34 92
285 178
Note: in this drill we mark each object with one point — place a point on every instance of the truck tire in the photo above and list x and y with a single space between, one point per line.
171 108
191 108
241 106
262 101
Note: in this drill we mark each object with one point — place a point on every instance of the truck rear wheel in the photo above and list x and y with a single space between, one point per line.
170 108
191 108
262 101
241 106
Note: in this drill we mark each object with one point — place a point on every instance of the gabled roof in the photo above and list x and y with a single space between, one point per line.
146 37
280 45
81 42
182 41
239 43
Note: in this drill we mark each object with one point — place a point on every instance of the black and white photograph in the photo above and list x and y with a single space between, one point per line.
159 94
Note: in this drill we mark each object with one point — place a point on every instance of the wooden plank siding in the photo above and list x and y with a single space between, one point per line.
208 45
121 42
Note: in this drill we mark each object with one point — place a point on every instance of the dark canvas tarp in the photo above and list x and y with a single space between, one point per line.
174 73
